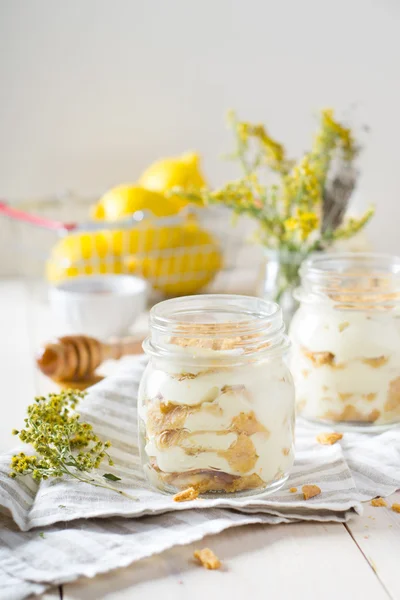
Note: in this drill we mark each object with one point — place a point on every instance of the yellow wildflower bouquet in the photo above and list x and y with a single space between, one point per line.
302 210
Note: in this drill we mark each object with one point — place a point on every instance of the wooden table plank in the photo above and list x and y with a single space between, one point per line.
16 364
300 560
53 594
43 328
377 534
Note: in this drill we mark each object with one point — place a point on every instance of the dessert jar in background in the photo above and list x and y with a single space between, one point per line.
216 401
345 336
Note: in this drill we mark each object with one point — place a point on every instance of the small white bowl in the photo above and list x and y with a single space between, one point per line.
101 306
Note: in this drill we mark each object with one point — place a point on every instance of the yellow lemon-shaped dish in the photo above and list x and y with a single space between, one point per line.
57 272
103 251
182 270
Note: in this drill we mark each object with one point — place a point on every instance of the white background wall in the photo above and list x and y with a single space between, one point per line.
93 90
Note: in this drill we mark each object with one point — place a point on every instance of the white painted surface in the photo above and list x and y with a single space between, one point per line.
302 560
375 533
278 562
16 365
93 91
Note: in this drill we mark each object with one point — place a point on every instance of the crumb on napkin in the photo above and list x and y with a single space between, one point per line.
309 491
329 438
185 495
293 490
378 502
207 558
396 507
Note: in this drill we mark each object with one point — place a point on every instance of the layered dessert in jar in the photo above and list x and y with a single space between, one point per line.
216 403
345 338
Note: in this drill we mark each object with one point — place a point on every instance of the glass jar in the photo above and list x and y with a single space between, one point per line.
345 337
216 401
279 279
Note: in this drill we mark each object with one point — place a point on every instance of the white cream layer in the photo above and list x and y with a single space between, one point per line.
351 337
268 392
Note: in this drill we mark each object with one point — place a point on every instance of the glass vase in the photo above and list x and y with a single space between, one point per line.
279 278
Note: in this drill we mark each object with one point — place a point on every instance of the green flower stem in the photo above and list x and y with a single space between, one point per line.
288 278
92 480
97 483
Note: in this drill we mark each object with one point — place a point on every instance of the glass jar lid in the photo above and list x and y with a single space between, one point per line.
351 280
223 326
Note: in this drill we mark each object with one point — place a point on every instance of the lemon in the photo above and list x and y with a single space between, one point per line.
97 212
78 254
147 237
102 251
126 199
184 269
80 246
56 272
180 171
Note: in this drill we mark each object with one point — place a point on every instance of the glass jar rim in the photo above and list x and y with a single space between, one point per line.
208 326
358 280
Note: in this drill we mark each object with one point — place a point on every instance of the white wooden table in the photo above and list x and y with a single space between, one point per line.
302 560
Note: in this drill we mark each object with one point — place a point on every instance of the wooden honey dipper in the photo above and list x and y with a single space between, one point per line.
73 359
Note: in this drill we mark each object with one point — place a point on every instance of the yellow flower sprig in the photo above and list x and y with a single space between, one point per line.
351 227
63 444
303 224
331 138
292 214
301 188
267 151
247 196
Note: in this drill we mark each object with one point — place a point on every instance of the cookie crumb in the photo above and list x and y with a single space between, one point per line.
378 502
396 507
329 438
309 491
377 362
207 558
293 490
185 495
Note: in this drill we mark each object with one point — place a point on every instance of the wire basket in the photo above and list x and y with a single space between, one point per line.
195 250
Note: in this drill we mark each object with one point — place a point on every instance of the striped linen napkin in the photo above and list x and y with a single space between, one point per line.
46 537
